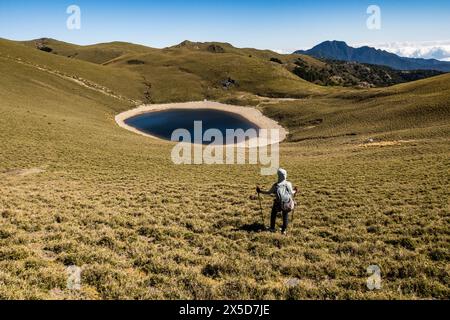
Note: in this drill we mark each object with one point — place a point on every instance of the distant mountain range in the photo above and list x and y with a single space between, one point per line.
339 50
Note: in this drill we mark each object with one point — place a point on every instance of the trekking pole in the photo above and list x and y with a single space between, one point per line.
260 208
293 215
293 211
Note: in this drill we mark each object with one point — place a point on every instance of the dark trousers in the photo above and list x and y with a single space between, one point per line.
275 210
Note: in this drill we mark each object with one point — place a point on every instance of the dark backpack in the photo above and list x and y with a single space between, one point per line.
285 198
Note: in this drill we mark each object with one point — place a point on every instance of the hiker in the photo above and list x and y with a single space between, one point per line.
284 200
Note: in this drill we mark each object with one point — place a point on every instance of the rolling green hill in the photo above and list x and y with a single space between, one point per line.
191 71
404 111
120 82
207 66
371 166
99 53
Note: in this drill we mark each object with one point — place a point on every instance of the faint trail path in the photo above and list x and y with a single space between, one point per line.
24 172
265 100
385 143
73 78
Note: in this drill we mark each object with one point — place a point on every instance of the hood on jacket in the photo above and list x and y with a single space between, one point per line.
282 175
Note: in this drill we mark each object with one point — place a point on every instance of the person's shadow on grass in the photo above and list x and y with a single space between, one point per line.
254 227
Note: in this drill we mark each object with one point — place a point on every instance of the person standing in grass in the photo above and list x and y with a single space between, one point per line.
284 200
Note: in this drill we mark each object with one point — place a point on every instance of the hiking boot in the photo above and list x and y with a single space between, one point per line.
272 230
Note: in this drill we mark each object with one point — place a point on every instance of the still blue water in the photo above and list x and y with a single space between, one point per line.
162 124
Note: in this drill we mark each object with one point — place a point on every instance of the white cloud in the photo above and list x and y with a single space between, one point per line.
439 50
284 51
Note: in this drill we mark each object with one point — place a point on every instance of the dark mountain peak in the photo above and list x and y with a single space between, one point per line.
336 43
339 50
331 46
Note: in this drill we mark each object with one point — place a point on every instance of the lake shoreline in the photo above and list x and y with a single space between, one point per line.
251 114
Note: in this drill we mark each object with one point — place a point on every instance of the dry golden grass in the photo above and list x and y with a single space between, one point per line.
78 190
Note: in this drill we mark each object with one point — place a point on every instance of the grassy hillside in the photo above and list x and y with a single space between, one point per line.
192 71
204 70
79 190
119 82
419 109
99 53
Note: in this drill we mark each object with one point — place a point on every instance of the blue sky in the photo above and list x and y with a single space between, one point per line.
277 25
